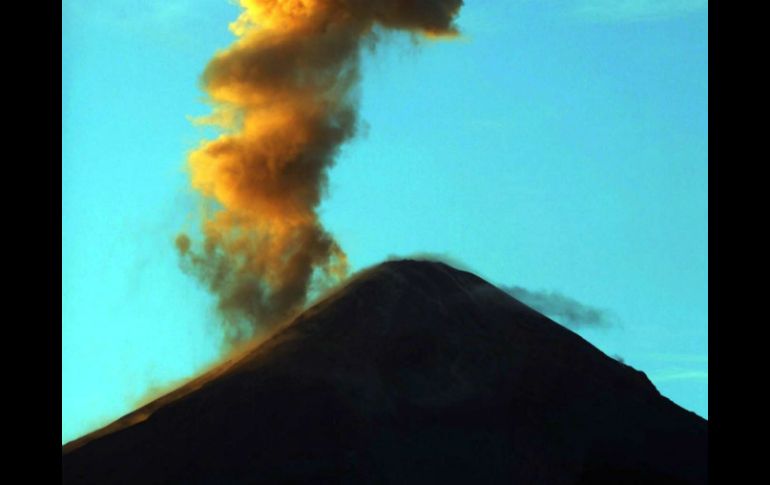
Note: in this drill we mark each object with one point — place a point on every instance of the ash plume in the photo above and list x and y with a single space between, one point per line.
284 96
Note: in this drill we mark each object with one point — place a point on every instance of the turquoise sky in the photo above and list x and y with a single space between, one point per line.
558 145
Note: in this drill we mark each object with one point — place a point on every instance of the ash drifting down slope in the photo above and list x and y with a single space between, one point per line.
414 372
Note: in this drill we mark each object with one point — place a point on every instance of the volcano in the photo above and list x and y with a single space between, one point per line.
413 372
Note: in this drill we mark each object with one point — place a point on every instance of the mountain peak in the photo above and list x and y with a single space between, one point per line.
414 371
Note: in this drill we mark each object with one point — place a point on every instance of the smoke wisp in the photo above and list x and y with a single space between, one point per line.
566 310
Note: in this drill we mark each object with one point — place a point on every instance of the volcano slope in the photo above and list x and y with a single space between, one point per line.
414 372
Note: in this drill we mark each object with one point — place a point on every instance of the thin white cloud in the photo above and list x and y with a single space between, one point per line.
680 375
171 23
684 358
630 10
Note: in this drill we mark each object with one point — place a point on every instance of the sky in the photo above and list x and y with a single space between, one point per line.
558 146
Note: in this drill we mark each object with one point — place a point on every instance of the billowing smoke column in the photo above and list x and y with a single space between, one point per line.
284 95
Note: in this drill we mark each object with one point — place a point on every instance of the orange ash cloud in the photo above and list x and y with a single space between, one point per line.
284 95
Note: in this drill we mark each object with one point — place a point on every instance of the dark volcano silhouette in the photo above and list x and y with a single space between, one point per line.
414 372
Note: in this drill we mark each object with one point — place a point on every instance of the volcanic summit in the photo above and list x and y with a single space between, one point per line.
413 372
